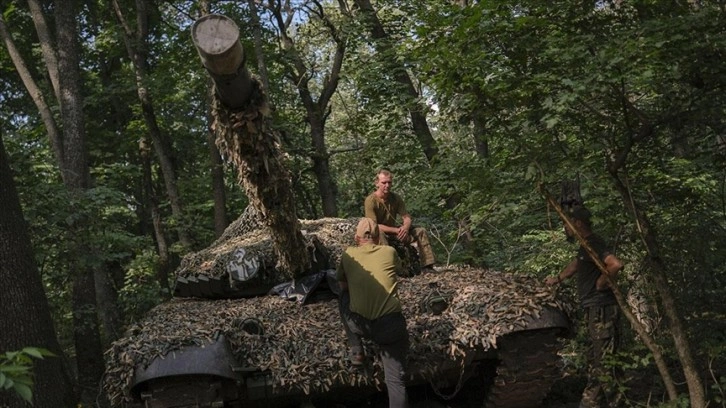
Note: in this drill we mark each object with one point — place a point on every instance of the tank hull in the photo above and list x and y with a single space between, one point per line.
464 324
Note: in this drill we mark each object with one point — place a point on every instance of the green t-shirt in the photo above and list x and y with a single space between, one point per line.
370 271
384 211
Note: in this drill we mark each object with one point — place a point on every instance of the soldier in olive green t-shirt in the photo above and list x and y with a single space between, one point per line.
370 308
384 206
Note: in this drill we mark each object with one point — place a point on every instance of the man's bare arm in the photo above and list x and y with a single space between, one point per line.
613 265
565 274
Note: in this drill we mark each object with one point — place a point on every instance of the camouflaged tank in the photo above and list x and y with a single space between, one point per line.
234 336
239 332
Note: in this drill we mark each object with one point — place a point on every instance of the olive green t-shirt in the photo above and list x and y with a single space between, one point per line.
370 271
384 211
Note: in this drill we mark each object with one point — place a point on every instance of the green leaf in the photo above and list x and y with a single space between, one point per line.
14 368
25 392
551 122
35 352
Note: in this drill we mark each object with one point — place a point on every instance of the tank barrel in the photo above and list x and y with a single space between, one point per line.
244 135
217 40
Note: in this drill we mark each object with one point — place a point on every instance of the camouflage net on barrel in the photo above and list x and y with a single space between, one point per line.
303 347
246 139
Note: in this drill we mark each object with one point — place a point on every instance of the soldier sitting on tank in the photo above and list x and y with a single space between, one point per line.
370 308
384 206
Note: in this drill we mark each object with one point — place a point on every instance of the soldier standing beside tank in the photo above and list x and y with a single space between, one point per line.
384 206
369 306
598 302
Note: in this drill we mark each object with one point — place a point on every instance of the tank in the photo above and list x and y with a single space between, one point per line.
254 320
234 336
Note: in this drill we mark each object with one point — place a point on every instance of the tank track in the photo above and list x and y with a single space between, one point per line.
529 365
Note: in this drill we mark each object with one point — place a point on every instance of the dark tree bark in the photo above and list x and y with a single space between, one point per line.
25 320
76 176
657 271
70 154
107 299
416 110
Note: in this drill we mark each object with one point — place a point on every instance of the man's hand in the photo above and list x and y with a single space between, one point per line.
402 234
602 283
552 280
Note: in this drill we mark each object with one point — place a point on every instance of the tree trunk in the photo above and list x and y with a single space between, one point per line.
657 272
481 141
34 91
163 268
107 299
22 295
416 110
617 167
257 37
46 44
321 160
76 176
315 110
137 50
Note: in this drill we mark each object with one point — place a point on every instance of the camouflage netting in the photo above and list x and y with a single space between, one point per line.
245 138
330 235
303 346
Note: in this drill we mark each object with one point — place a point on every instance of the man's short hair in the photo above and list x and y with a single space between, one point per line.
383 171
367 229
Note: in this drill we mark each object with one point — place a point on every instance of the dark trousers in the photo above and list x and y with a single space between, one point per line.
603 328
390 334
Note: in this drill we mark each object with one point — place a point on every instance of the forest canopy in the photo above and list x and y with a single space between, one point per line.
473 105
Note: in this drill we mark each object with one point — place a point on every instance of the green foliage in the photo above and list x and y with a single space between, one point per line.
557 90
141 290
16 370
